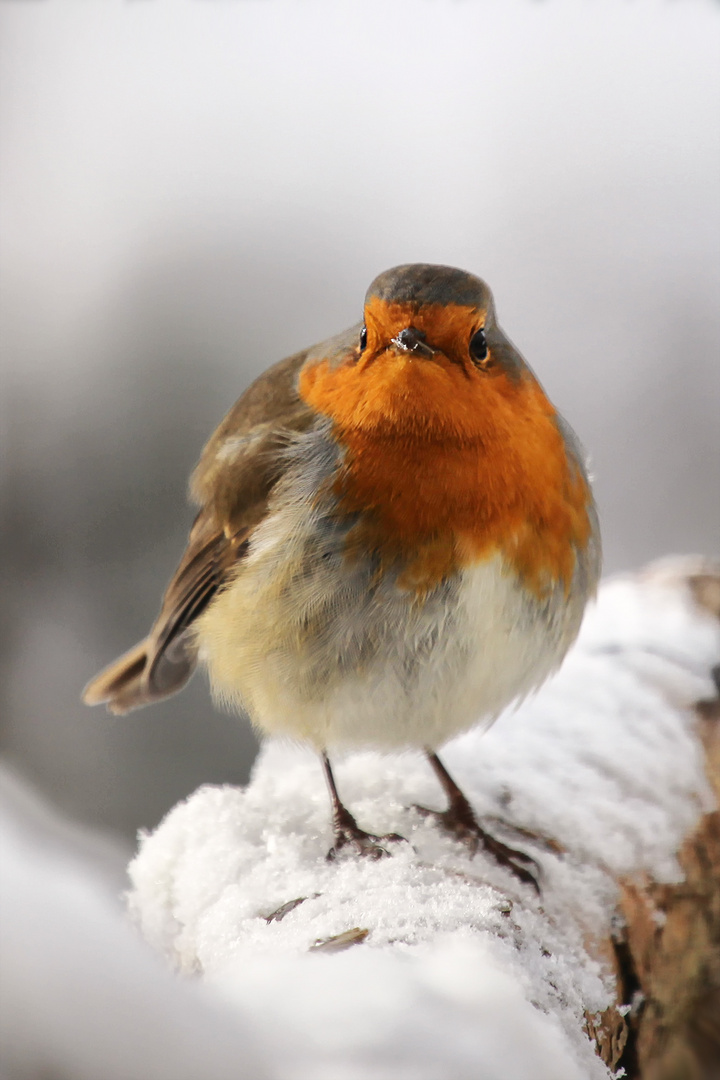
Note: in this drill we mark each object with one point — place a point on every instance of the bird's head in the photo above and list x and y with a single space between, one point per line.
429 358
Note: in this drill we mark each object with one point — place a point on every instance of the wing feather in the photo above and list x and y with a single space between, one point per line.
236 473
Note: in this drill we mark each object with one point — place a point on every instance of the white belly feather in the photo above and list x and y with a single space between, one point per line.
319 651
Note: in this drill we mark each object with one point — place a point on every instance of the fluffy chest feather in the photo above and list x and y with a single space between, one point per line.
326 642
446 471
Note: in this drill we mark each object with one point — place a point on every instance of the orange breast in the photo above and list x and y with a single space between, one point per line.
448 468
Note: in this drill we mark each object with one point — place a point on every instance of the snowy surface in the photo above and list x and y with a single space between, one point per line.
81 998
463 972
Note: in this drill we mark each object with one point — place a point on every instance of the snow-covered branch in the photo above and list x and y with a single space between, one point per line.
432 964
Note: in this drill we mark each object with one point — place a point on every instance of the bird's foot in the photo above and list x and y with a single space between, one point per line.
460 822
542 840
350 839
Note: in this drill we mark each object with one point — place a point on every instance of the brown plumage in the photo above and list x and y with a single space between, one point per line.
232 492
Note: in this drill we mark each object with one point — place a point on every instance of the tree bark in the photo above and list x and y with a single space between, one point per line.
665 948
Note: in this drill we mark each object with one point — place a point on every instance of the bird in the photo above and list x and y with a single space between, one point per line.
396 540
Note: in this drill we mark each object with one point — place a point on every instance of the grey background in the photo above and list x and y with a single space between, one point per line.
190 191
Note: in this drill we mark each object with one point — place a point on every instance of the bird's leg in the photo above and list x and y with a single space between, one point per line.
348 835
460 821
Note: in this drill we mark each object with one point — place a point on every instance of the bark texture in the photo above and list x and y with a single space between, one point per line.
665 949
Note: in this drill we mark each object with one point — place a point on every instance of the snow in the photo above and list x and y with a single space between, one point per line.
80 996
462 971
451 969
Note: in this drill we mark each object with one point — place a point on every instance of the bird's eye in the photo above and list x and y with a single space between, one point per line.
479 346
363 338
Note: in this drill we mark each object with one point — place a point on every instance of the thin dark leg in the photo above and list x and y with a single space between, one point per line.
459 820
347 833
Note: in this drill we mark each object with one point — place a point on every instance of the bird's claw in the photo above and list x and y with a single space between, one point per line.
351 840
460 823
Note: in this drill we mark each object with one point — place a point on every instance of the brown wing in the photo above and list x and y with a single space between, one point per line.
162 663
232 482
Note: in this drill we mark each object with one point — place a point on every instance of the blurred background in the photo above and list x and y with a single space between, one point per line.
191 189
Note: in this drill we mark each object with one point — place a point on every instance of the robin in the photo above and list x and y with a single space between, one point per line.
396 540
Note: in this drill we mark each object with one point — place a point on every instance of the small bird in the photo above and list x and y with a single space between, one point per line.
396 540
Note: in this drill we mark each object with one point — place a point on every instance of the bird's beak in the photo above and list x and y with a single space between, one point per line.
412 341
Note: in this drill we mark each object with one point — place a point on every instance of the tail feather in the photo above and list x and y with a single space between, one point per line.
120 685
162 663
140 677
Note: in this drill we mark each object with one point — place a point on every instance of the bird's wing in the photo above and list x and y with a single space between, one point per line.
238 469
